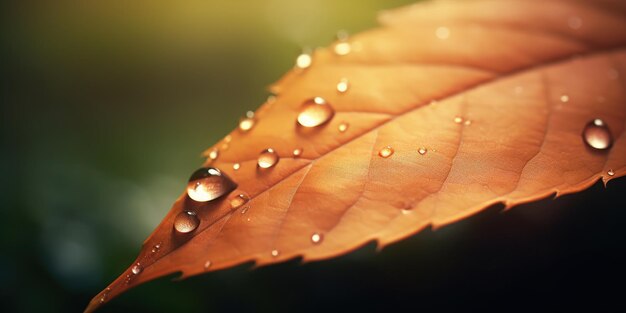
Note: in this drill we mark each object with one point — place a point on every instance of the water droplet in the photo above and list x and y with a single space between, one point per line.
246 123
467 122
575 22
610 172
297 152
597 135
236 166
214 154
156 247
228 138
208 183
315 112
304 60
564 98
442 33
422 151
105 294
271 99
275 253
207 264
186 222
343 48
386 152
244 210
239 200
317 238
458 120
137 269
267 158
343 85
343 127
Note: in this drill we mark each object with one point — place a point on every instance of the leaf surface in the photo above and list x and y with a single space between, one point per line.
497 93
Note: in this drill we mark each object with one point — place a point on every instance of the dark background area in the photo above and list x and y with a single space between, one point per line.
105 109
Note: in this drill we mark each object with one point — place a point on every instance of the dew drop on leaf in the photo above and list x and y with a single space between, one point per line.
236 166
597 135
315 112
386 152
317 238
156 247
458 120
214 154
267 158
343 127
343 48
343 85
246 123
564 98
207 264
610 172
239 200
186 222
208 183
422 151
304 60
297 152
137 269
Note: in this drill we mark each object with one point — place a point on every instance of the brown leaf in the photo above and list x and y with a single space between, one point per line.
480 102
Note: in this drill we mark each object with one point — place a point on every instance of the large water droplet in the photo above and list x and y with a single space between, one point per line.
267 158
386 152
208 183
343 85
317 238
186 222
137 269
315 112
597 135
239 200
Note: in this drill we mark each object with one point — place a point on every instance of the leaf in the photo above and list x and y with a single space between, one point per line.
496 92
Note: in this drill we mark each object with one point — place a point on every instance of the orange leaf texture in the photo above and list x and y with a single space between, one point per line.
446 109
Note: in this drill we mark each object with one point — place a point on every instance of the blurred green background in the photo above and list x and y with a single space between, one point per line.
106 106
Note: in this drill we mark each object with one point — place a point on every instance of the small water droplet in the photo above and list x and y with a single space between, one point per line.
297 152
386 152
214 154
267 158
208 183
422 151
275 253
239 200
246 123
137 269
207 264
271 99
244 210
597 135
343 127
186 222
406 211
574 22
610 172
317 238
236 166
128 279
250 114
467 122
228 138
315 112
343 48
458 120
304 60
156 247
442 33
343 85
564 98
